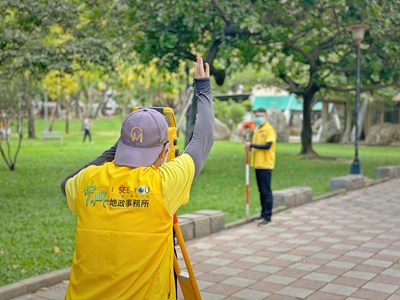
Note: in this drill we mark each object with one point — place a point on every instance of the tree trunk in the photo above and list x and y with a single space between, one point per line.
53 117
30 113
77 108
30 110
8 158
362 113
31 120
349 122
67 119
306 131
88 95
324 120
101 103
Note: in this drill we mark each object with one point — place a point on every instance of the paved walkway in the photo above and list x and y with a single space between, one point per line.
345 247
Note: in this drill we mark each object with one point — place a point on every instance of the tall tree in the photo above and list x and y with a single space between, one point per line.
11 95
305 41
38 36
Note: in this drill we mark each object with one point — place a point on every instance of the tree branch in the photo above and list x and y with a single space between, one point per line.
222 12
213 51
4 156
18 148
293 86
327 74
327 44
335 67
271 19
188 55
301 51
219 75
231 30
298 35
336 18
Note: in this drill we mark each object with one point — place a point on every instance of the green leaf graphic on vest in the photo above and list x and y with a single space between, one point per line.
100 196
88 190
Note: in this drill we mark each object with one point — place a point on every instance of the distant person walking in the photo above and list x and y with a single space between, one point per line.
262 147
86 129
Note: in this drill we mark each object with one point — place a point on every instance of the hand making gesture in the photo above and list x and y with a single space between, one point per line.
199 70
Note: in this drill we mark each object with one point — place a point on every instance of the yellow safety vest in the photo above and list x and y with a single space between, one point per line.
262 158
124 240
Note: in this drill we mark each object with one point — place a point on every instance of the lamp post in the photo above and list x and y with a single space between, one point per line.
357 33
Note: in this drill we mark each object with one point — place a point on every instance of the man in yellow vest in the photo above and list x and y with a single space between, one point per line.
125 201
262 147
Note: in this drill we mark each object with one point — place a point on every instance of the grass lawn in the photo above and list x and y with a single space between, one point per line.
38 229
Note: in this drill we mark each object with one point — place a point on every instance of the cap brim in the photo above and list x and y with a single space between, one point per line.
136 157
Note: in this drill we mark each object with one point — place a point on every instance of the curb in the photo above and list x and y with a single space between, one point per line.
376 181
329 195
252 218
33 284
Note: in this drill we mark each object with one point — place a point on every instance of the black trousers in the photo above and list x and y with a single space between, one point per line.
264 177
87 133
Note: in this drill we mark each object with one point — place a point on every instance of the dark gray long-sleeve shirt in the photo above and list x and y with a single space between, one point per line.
203 133
265 146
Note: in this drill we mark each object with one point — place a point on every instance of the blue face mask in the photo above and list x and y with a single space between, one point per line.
259 121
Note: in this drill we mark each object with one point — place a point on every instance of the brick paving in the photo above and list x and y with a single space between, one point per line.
344 247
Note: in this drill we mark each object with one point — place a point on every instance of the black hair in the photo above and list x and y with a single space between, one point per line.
260 110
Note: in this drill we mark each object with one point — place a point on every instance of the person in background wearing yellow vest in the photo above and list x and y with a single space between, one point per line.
262 147
125 201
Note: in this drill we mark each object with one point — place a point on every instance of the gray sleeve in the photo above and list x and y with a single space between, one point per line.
107 155
203 133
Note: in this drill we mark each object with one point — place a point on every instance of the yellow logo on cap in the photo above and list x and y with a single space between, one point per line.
137 134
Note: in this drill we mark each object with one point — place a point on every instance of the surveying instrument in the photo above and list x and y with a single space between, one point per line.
187 280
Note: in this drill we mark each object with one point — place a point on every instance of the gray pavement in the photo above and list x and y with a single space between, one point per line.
343 247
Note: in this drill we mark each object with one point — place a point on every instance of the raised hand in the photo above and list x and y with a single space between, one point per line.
199 70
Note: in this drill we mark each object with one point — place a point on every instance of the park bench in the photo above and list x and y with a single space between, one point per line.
52 135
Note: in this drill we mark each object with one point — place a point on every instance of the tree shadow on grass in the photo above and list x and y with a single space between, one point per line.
315 156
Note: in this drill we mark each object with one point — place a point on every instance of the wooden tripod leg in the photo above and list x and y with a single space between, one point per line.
187 281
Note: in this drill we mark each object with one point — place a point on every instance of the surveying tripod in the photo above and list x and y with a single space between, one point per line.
187 280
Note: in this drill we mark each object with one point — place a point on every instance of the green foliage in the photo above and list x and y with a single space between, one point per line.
237 111
37 36
306 42
221 109
230 112
301 43
11 92
250 76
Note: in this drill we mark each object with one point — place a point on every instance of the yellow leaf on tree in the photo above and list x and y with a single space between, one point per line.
101 85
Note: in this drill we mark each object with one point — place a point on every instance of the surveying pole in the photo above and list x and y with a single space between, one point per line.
247 136
247 187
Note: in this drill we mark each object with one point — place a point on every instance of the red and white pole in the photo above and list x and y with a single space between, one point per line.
247 186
